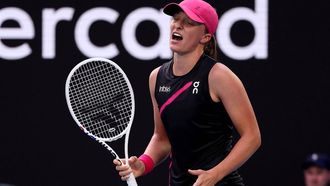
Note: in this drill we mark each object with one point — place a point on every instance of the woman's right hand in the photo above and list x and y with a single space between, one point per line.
135 165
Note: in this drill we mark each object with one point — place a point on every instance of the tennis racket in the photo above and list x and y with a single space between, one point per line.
101 101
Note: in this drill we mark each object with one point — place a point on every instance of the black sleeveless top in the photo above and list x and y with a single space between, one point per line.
199 129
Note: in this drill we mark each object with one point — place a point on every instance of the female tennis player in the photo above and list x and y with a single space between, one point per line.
197 103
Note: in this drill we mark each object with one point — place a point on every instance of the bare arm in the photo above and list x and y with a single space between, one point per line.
225 87
159 146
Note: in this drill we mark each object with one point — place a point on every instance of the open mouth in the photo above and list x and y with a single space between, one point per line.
177 36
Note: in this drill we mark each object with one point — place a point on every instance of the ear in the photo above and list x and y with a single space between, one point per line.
206 38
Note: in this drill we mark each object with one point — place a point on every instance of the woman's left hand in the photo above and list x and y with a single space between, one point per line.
204 178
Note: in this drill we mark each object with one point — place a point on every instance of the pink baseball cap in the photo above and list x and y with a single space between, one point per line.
197 10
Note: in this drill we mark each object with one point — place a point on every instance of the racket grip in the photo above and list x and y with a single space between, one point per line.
131 180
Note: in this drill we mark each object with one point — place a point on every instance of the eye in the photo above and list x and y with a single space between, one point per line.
176 17
190 22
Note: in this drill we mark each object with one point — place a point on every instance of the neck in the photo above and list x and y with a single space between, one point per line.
183 63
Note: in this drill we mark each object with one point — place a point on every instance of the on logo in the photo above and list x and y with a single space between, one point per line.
195 90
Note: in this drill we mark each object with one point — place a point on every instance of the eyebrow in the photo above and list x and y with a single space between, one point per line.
187 19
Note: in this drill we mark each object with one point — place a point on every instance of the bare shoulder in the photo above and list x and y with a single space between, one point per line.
152 80
221 73
153 75
223 81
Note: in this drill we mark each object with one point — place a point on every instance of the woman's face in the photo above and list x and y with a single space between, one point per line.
186 34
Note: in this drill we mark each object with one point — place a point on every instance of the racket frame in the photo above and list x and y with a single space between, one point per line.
131 181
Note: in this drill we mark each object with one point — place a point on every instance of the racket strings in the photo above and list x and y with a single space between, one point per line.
101 99
101 130
90 81
94 128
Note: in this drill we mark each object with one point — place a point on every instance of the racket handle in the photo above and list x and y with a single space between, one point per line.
131 180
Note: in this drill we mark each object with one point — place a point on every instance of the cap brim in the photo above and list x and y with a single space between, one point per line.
173 8
308 164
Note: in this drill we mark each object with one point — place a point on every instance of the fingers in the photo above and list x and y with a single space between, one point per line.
204 178
132 160
124 174
124 178
195 172
117 162
123 169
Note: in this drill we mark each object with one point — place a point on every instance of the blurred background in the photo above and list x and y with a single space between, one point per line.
280 51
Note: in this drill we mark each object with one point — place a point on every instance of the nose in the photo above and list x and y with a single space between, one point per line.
177 24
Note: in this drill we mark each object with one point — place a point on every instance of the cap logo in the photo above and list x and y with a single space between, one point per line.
315 157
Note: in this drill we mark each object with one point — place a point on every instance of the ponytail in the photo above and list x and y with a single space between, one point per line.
210 48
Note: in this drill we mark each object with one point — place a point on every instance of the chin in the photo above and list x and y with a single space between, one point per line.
175 47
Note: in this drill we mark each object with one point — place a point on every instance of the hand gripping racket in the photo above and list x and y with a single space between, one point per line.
101 101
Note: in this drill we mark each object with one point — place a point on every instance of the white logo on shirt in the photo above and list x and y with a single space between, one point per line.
195 90
164 89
